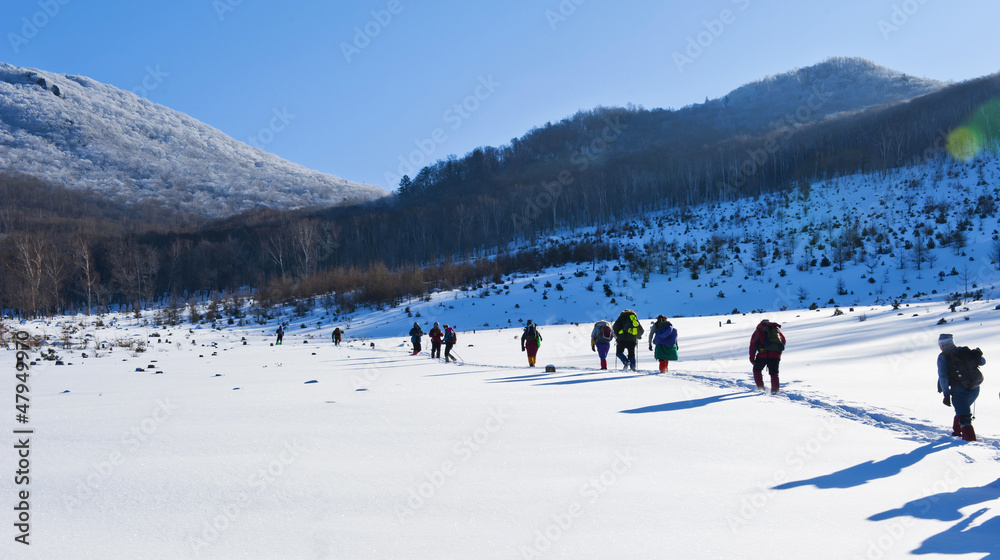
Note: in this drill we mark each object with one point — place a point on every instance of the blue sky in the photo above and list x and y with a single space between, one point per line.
356 88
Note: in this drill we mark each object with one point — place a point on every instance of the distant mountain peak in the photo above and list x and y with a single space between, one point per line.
77 132
836 85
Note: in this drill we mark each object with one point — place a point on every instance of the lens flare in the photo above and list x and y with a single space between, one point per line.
964 143
979 133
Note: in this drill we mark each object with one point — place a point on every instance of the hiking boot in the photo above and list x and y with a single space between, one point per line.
968 434
956 428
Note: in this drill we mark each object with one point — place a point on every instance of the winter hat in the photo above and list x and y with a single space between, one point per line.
945 339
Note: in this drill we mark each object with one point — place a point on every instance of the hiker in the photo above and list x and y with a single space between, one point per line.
450 338
766 345
436 334
664 335
959 379
337 334
600 341
531 339
627 332
415 333
281 334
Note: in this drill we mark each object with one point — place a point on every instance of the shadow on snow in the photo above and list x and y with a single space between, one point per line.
873 470
690 403
962 538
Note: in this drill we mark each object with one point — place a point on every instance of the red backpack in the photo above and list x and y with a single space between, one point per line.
605 334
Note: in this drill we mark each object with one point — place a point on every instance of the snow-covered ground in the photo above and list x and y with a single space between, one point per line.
307 450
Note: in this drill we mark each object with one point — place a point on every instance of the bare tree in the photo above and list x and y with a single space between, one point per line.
89 277
175 257
275 246
133 267
759 252
305 236
57 267
29 252
919 252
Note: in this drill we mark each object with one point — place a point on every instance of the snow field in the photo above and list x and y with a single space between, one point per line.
389 455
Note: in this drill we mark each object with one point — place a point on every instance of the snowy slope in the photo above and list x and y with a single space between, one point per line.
307 450
77 132
796 231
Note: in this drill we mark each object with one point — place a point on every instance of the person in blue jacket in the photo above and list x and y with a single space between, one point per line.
956 393
415 333
664 336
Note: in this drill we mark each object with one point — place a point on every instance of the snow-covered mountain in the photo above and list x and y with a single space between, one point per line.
833 86
77 132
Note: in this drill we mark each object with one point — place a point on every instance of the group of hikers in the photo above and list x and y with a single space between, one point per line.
439 335
958 372
626 333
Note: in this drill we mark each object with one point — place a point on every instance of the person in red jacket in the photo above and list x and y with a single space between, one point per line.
437 336
766 345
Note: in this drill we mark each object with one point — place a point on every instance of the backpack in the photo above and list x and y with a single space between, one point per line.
450 337
631 325
662 336
772 339
963 368
604 334
533 334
